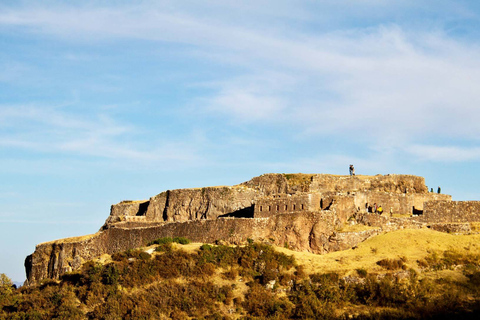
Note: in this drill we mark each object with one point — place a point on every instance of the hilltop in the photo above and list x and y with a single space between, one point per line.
316 213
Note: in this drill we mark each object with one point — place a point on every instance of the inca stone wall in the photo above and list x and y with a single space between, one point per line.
286 203
382 183
186 204
399 203
401 192
451 211
306 231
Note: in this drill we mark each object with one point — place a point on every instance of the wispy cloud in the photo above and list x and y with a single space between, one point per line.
376 83
55 130
444 153
50 222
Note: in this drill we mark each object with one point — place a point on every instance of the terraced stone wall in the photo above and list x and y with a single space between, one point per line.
451 211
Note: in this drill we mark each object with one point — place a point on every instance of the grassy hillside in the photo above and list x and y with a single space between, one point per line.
404 274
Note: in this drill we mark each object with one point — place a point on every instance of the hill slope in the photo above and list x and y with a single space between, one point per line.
406 273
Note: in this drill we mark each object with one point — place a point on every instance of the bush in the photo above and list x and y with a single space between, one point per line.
231 274
362 273
300 272
161 241
119 256
110 275
261 302
180 240
392 264
144 256
205 247
165 247
307 305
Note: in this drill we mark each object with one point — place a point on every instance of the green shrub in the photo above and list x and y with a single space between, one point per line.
307 304
362 273
92 271
205 247
144 256
261 302
181 240
161 241
165 247
110 274
119 256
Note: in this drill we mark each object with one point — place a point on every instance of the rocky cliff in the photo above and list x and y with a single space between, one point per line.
314 209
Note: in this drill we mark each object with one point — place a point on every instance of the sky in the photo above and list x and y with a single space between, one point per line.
104 101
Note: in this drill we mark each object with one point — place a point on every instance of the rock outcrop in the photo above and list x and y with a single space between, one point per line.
305 212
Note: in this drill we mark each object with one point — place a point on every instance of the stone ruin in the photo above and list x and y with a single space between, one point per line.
306 212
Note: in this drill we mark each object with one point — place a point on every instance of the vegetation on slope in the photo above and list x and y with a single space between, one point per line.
172 281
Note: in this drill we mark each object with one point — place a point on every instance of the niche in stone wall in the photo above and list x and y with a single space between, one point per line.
142 208
416 212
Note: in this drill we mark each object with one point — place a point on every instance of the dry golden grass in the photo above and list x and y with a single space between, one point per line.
132 201
191 247
475 226
72 239
409 243
399 215
104 259
449 275
356 228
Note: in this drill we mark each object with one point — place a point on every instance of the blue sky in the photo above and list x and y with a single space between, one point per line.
104 101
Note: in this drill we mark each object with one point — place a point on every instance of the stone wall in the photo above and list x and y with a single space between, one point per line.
451 211
213 202
127 208
304 231
399 203
270 184
393 183
286 203
186 204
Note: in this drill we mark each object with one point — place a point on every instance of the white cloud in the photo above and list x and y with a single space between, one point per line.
402 84
55 130
50 222
246 105
444 153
